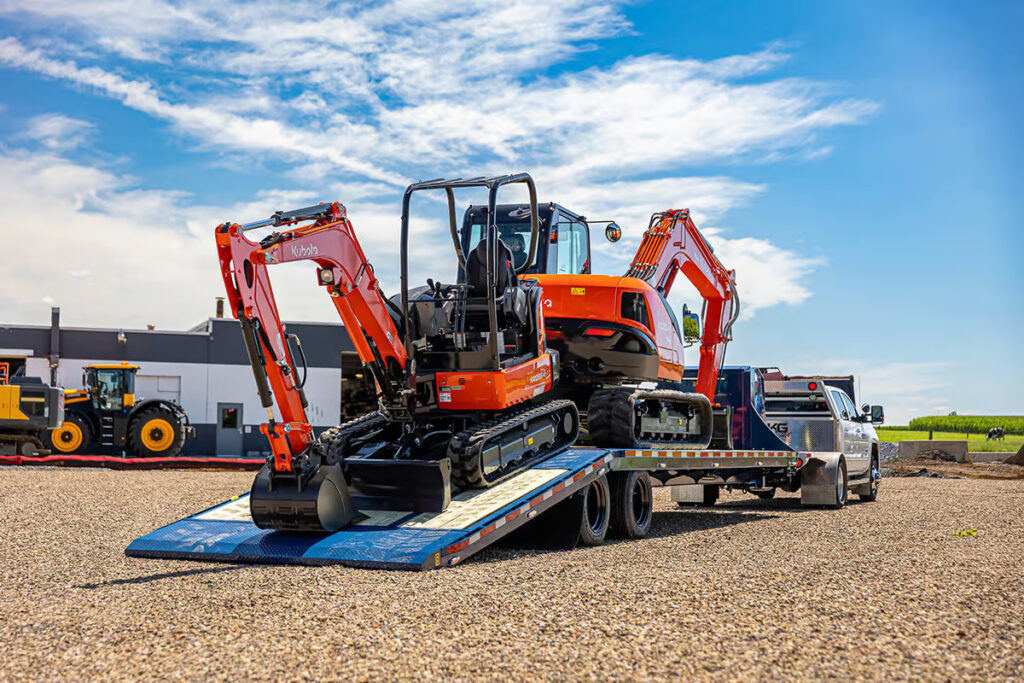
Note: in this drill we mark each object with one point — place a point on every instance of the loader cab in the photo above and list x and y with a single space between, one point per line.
111 387
563 237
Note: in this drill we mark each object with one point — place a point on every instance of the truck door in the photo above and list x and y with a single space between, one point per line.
852 433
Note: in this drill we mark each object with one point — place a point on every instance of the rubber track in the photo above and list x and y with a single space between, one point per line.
335 440
610 418
465 447
19 439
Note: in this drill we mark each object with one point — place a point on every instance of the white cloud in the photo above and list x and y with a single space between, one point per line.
359 99
58 132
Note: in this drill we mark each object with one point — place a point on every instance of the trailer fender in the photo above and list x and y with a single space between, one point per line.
818 479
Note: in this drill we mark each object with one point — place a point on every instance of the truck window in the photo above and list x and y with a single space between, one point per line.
791 404
848 402
837 398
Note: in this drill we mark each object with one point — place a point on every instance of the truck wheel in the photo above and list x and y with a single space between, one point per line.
155 432
74 436
632 504
596 512
875 477
842 490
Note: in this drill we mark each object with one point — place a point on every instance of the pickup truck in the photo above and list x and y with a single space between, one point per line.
818 414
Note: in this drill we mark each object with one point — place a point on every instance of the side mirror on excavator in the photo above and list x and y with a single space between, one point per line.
691 326
612 232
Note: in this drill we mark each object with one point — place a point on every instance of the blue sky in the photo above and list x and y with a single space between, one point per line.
857 163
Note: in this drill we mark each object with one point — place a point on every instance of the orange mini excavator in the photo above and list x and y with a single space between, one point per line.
462 371
620 344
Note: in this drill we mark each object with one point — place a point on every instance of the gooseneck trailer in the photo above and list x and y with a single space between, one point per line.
577 497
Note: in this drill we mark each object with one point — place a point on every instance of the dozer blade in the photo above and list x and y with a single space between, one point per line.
417 485
323 504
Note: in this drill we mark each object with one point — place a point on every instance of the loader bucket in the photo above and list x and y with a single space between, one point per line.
417 485
322 504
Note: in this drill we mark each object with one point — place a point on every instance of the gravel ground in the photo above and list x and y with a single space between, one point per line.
750 589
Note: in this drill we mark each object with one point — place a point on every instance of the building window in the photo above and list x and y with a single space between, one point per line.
229 418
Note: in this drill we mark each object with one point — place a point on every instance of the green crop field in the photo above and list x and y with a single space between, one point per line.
975 442
975 424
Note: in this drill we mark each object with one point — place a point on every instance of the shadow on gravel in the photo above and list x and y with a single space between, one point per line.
671 523
150 578
675 522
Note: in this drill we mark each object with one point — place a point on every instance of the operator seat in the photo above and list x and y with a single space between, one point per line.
509 292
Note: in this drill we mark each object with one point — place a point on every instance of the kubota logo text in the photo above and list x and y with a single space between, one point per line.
299 251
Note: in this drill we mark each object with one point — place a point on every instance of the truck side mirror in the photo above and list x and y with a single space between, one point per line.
691 326
877 415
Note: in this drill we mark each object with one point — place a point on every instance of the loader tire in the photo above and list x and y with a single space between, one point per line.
155 433
74 436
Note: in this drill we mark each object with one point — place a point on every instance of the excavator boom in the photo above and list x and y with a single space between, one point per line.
330 242
673 244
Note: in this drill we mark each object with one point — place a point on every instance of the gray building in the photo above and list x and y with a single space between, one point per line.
204 369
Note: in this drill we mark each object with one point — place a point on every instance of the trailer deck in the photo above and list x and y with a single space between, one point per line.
474 519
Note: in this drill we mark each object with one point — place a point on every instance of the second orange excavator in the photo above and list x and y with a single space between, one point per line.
620 343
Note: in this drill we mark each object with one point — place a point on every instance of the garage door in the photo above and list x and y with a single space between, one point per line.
158 386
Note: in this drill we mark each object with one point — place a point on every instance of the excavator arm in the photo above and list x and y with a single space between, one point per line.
342 269
673 244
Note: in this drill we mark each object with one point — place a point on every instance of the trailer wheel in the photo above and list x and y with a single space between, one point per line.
73 436
596 502
155 432
582 518
875 476
632 504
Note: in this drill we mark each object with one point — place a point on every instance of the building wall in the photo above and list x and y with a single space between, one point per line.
200 369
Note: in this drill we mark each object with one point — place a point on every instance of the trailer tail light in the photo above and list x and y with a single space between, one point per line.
812 386
598 332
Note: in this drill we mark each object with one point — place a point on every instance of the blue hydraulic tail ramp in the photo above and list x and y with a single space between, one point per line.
383 539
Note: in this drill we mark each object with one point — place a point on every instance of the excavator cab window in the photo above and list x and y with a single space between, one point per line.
573 243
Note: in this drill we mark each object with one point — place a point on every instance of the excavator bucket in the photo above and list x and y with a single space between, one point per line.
320 504
417 485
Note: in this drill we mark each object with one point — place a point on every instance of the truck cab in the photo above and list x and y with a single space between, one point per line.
814 414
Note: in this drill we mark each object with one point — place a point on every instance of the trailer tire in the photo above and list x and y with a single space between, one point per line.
596 503
155 432
632 504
